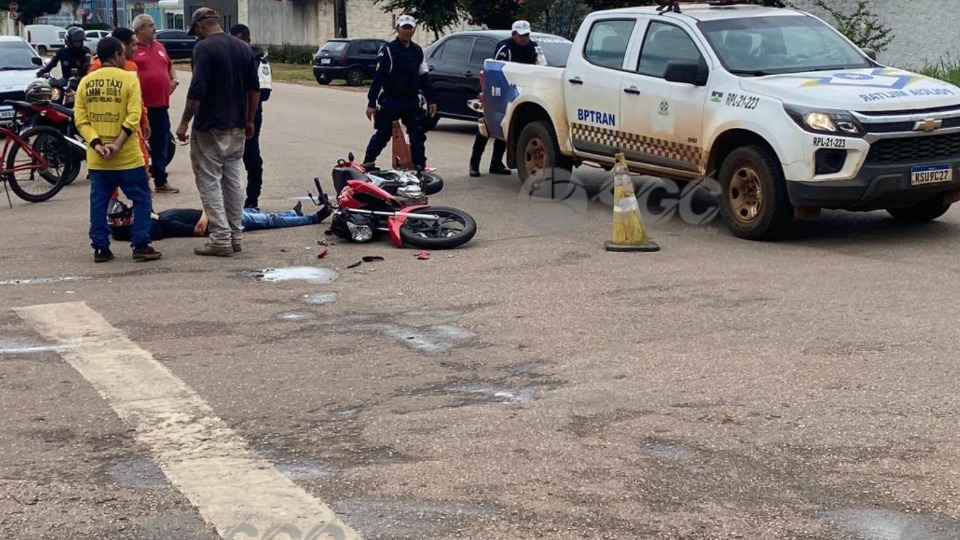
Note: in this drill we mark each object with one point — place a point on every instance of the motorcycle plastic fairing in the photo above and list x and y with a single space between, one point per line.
395 222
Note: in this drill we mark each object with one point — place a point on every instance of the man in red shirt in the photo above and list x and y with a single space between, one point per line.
158 79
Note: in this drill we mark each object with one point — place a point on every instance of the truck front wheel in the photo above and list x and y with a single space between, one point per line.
754 204
538 154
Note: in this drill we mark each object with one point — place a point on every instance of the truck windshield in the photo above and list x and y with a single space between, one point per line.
759 46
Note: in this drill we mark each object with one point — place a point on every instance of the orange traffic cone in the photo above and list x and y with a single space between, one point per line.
401 149
629 233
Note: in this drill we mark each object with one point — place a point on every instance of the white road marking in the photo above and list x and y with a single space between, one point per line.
240 494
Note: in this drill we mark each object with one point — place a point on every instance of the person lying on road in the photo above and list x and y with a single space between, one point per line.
189 222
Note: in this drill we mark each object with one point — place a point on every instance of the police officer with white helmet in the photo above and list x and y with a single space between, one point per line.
401 78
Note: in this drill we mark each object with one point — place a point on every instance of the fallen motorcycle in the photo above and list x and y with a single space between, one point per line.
393 201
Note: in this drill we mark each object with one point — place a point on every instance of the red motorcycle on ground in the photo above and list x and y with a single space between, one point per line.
394 201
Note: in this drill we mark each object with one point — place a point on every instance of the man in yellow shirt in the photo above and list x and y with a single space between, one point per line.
107 112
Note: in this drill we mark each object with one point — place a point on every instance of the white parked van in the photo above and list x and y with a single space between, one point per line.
45 37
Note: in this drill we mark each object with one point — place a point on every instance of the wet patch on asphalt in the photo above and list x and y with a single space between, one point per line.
308 274
429 340
43 280
466 392
335 443
593 424
389 519
667 450
320 298
494 393
531 370
881 524
134 471
305 469
29 346
296 316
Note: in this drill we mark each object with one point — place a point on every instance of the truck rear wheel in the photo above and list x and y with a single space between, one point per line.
538 154
920 213
754 204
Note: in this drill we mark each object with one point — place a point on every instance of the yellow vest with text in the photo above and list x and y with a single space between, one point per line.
108 100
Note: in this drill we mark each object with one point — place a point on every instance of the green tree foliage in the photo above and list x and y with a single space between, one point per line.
28 10
434 15
493 14
861 26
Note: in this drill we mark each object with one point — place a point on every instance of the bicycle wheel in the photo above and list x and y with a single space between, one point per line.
34 179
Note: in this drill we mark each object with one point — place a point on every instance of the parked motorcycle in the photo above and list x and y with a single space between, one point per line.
394 201
55 114
58 114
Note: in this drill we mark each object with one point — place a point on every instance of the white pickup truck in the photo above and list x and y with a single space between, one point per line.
785 113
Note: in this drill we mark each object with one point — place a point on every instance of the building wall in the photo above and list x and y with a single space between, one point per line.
924 30
290 21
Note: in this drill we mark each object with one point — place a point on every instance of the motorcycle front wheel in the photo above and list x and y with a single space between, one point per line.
454 229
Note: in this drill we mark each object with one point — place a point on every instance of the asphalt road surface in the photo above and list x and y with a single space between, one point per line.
528 385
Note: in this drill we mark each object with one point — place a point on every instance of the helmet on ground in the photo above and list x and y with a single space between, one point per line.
38 91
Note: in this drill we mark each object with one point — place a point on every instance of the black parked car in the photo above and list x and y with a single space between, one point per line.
455 62
353 59
177 43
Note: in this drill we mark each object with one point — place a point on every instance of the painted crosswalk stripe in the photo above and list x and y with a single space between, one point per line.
240 494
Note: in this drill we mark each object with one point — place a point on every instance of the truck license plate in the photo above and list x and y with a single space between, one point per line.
324 60
930 174
6 114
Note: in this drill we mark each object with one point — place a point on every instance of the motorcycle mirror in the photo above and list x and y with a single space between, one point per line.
350 156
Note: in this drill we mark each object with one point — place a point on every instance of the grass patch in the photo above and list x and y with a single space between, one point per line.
948 69
292 73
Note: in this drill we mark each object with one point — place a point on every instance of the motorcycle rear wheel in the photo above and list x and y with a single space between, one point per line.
454 229
432 183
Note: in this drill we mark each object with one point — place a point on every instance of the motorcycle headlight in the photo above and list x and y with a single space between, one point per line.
55 94
839 123
360 233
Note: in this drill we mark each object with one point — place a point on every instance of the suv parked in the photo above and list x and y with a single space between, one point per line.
353 59
177 43
455 62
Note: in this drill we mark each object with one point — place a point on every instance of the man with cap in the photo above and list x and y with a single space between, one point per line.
516 48
222 102
401 77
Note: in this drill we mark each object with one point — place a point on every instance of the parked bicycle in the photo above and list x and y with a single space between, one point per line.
33 163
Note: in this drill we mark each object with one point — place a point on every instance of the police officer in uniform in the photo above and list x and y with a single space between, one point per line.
401 77
73 59
252 160
516 48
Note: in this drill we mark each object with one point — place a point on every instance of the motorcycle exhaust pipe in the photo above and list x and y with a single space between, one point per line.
78 144
428 217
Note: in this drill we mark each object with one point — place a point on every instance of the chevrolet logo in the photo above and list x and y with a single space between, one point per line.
928 125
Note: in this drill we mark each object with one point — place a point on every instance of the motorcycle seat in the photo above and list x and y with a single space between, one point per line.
65 110
342 174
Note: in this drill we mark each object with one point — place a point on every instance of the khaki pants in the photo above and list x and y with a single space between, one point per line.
217 158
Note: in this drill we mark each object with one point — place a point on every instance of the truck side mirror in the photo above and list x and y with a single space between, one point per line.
871 54
37 61
686 72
